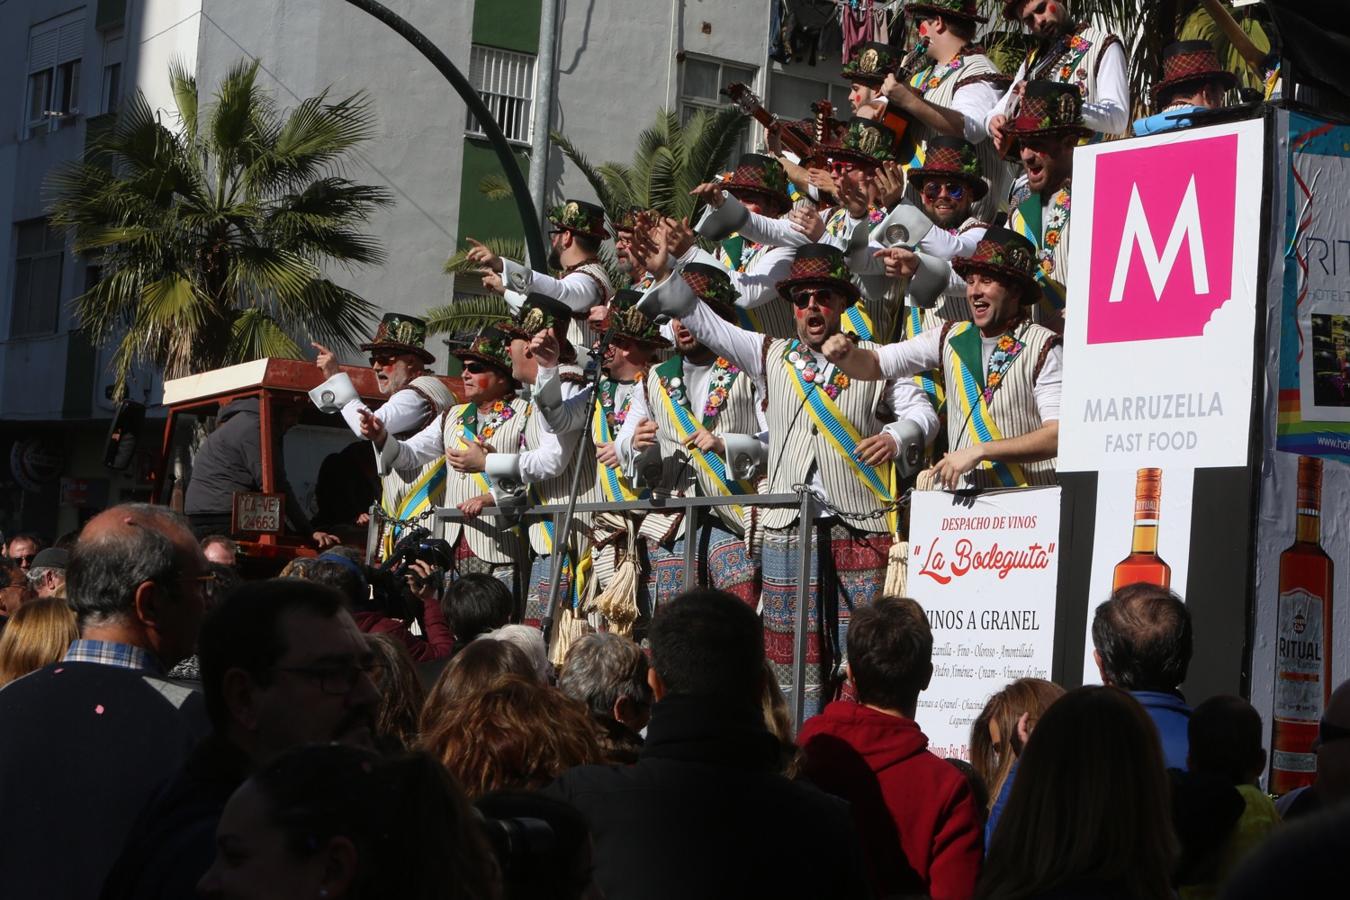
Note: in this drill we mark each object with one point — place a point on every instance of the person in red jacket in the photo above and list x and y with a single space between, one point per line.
916 816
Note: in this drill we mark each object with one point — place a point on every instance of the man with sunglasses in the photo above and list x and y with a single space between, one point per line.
574 248
492 417
953 88
21 550
826 435
400 359
1001 372
1069 52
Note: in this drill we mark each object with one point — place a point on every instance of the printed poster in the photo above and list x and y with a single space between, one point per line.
985 570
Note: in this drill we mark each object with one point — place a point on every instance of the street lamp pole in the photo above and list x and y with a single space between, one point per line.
529 218
545 70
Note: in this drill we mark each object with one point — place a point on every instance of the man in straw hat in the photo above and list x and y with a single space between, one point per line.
1002 373
399 357
493 417
574 248
1048 126
694 432
1069 52
953 87
825 435
1192 80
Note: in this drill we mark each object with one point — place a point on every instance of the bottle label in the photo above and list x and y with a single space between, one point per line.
1146 510
1294 762
1298 657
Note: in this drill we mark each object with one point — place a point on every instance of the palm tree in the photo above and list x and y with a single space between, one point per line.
213 236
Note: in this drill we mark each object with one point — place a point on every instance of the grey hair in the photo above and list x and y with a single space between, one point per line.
601 669
106 569
530 640
36 575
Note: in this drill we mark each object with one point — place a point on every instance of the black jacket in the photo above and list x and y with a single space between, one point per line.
705 813
230 460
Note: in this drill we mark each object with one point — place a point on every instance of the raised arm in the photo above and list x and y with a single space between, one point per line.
674 298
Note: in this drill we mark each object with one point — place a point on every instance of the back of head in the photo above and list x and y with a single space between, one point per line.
602 669
1225 739
415 834
340 572
1090 803
244 632
542 845
120 549
37 635
530 641
475 604
517 734
401 691
470 672
890 653
1143 634
708 643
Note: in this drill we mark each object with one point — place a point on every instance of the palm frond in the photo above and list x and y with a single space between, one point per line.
183 83
510 248
589 172
467 313
495 187
255 335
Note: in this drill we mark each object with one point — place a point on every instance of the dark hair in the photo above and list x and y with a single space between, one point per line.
37 542
244 632
475 604
962 28
588 243
1090 803
557 868
890 652
1143 633
401 691
415 833
106 568
229 543
342 577
708 642
1225 739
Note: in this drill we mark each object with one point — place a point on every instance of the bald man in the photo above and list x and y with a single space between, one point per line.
86 741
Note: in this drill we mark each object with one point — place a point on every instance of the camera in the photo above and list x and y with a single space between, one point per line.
389 588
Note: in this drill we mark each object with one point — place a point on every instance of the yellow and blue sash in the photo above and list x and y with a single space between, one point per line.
711 463
583 569
426 492
842 436
468 434
932 387
971 404
737 257
1026 221
612 480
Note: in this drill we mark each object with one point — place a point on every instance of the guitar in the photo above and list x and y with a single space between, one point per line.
750 105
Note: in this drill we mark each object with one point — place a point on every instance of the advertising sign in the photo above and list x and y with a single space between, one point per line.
1162 301
984 570
1314 368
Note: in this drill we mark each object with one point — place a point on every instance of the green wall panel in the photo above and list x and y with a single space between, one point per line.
480 217
509 24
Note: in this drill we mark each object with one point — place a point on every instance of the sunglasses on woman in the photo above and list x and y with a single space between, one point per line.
933 189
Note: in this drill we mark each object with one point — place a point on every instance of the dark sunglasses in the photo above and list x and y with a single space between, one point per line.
477 368
383 360
933 189
24 560
841 168
802 299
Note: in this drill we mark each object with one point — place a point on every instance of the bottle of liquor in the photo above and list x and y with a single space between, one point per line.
1302 639
1143 564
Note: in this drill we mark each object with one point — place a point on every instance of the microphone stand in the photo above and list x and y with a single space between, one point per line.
563 531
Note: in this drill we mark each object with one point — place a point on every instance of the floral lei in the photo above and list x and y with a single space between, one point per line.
999 362
805 364
613 416
1055 223
937 75
499 414
1078 45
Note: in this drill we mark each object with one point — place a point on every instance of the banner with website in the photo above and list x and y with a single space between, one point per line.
1314 371
984 570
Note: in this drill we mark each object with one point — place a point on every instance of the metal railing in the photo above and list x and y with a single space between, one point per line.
805 501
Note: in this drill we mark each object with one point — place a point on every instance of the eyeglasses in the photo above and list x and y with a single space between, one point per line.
822 296
382 361
338 680
838 167
933 189
26 560
477 368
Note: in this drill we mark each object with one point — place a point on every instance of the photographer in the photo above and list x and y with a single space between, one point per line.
385 600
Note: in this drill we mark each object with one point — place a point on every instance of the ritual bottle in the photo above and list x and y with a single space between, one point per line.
1302 640
1143 565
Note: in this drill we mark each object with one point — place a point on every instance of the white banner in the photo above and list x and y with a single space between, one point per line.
1162 292
985 571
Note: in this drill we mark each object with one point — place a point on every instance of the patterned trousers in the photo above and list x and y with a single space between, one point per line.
721 562
847 570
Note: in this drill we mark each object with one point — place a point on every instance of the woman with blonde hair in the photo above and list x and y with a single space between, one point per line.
38 634
1089 816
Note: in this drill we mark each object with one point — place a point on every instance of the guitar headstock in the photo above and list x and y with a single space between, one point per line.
745 99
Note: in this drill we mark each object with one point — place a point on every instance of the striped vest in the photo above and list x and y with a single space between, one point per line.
579 332
557 489
682 476
486 538
975 67
1013 407
1076 62
1044 224
796 443
395 488
773 318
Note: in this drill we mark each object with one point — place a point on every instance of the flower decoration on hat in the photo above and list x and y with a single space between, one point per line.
584 218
